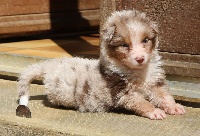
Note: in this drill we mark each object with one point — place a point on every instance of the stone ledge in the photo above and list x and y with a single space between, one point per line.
51 120
181 64
12 65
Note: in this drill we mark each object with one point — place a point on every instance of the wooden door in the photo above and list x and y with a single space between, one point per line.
18 17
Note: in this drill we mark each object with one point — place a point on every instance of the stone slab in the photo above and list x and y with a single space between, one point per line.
51 120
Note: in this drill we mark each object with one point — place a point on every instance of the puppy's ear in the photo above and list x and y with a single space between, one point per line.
108 32
154 26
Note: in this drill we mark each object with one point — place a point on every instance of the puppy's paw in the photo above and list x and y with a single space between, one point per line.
175 109
157 114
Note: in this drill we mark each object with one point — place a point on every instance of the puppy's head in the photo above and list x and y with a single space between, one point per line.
129 37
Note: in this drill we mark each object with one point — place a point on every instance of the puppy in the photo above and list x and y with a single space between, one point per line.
127 75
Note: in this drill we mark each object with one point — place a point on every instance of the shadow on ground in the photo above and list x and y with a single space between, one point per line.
118 111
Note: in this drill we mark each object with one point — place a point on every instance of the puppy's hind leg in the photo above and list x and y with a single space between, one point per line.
136 102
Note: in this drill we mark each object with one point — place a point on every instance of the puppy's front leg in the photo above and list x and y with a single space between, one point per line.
166 102
136 102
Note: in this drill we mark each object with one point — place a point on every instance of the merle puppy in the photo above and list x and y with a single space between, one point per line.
127 75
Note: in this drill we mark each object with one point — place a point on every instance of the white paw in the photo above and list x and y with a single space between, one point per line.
175 109
157 114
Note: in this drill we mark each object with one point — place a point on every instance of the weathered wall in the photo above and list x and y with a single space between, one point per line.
179 31
178 20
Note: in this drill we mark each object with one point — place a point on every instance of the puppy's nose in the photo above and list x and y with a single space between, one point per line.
139 59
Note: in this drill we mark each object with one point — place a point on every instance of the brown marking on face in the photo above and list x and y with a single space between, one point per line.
149 41
116 49
119 53
148 46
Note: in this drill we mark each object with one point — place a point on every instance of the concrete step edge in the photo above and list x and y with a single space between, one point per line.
17 60
14 64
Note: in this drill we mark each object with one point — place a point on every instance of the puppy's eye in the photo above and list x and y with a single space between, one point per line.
125 45
145 40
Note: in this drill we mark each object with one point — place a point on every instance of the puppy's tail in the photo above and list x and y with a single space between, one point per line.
25 79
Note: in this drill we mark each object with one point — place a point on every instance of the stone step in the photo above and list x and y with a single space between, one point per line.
52 120
14 64
184 88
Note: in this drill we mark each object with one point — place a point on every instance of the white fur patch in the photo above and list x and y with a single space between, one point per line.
23 100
